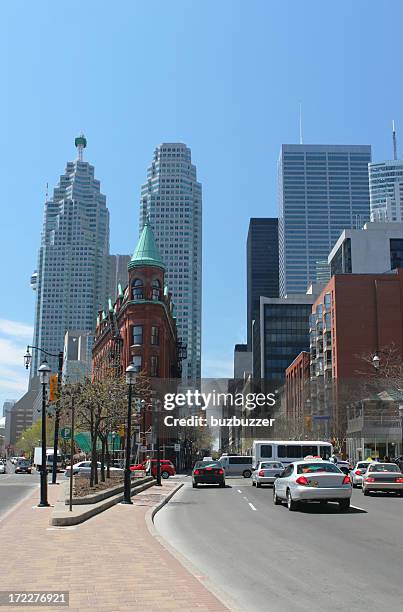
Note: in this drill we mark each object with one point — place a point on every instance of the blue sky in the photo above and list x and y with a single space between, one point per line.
223 76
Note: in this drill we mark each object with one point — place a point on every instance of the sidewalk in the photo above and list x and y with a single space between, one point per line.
109 563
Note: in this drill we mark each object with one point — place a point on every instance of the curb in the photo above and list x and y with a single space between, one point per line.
222 596
65 519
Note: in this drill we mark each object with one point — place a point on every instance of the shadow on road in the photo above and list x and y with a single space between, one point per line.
329 508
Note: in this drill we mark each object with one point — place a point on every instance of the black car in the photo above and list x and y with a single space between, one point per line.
208 472
23 466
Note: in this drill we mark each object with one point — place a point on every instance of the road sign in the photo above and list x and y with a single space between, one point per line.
177 448
65 433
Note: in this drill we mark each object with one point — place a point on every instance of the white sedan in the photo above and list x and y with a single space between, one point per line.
84 467
312 480
357 473
2 468
266 472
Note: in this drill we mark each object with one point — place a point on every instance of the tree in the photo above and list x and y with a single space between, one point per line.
32 437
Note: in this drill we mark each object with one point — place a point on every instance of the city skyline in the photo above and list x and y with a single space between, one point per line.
234 135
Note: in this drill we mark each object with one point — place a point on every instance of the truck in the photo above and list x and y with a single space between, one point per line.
49 459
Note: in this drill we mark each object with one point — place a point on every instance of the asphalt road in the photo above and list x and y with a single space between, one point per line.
14 487
272 560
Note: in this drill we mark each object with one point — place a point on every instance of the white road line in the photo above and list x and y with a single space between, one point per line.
358 508
253 507
239 491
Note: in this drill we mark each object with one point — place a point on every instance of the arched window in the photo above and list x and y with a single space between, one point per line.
138 289
156 288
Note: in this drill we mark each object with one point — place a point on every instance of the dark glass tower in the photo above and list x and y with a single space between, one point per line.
262 267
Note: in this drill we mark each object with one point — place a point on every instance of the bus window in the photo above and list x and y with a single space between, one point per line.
309 450
325 452
266 451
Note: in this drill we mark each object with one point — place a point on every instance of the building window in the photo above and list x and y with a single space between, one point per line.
154 365
138 334
156 286
137 362
155 335
138 289
396 253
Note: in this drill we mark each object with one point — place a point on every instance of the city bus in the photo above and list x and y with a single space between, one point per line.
288 451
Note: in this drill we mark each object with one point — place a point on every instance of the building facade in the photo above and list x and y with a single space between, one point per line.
280 334
261 266
140 327
171 199
323 189
386 190
378 247
242 361
73 258
77 355
117 273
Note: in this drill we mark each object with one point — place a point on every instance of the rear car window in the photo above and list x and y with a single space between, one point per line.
384 467
313 468
208 464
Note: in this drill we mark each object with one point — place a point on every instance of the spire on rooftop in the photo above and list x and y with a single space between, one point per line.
146 252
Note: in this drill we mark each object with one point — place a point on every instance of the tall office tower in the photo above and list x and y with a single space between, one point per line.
262 267
171 199
73 258
386 190
323 189
117 274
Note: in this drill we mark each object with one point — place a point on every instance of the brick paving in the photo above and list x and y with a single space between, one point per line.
110 563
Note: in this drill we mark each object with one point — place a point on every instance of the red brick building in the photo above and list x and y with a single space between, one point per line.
296 376
139 326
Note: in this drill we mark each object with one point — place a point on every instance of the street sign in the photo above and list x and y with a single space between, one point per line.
177 448
65 433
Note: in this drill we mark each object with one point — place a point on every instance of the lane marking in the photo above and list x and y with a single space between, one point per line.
253 507
239 491
358 508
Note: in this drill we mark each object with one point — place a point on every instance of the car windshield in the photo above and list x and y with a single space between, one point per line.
313 468
207 464
384 467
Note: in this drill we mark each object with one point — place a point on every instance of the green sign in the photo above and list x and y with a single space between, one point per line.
65 433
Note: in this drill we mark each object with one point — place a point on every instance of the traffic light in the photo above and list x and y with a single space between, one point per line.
53 388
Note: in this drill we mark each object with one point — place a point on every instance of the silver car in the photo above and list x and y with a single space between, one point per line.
312 480
358 472
266 472
382 477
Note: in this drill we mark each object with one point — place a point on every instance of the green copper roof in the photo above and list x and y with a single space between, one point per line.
110 307
146 252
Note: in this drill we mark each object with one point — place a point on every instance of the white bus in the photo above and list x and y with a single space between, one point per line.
288 451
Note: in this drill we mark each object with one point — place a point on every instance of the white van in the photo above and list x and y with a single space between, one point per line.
288 451
236 465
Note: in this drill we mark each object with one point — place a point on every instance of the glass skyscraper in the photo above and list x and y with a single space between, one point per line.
386 190
323 189
171 199
71 281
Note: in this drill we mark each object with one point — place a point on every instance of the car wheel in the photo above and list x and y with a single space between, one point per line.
365 491
222 485
247 474
276 499
291 504
258 485
194 485
165 475
344 505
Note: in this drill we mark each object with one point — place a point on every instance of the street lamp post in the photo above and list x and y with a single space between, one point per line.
44 374
158 442
27 362
401 426
130 380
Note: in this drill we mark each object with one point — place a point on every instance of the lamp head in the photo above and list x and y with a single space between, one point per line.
44 372
131 374
376 362
27 359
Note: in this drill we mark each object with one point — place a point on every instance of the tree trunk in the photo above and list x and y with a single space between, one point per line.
103 460
108 458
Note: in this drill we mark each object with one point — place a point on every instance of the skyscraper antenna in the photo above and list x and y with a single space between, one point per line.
47 191
300 123
394 140
80 143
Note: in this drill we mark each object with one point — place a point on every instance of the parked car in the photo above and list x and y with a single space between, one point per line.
358 472
84 467
312 480
382 477
23 466
2 468
167 467
208 472
236 465
266 472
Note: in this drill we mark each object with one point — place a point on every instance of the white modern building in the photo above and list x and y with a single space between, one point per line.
73 258
77 356
323 189
386 190
171 199
376 248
